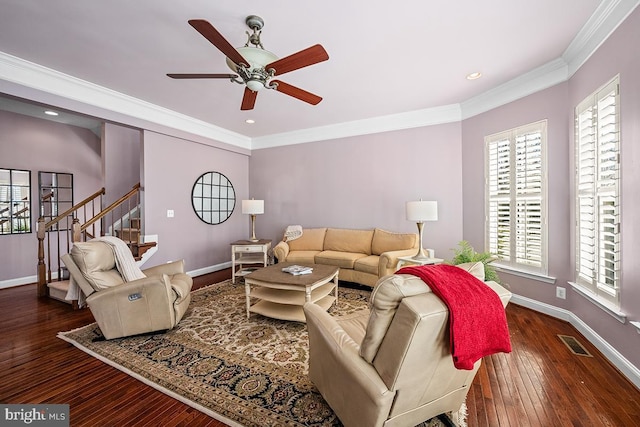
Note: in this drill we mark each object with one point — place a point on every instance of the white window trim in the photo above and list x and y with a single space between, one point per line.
599 302
606 299
521 269
540 277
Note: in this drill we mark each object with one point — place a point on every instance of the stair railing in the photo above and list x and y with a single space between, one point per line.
81 222
56 234
113 218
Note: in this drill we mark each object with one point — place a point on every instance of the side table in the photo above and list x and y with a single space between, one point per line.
248 252
410 260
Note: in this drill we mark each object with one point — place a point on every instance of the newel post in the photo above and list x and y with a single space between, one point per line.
75 230
43 290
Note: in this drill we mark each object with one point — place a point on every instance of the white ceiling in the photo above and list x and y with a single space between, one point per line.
385 57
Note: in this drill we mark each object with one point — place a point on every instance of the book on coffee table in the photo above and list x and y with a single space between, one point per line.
297 270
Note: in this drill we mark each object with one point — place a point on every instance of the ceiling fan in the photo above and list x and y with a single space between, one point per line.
255 66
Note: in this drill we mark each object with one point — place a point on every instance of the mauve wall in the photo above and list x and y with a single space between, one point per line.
121 151
41 145
363 182
618 54
170 168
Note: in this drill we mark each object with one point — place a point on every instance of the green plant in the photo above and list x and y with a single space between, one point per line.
465 253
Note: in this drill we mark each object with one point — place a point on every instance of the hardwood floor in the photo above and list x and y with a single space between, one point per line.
541 383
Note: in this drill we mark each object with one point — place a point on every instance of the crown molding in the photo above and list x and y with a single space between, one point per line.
392 122
543 77
34 76
607 17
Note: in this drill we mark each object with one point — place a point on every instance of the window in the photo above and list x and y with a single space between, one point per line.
15 201
56 197
597 143
515 174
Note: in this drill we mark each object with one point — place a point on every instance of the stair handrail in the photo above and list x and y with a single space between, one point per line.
110 208
74 208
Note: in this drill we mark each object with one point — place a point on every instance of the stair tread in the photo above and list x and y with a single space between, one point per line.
62 285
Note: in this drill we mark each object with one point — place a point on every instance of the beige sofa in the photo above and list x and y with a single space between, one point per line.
390 365
363 256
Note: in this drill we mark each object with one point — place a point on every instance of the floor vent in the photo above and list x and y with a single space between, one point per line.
574 345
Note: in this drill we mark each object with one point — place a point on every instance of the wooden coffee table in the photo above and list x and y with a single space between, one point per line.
281 295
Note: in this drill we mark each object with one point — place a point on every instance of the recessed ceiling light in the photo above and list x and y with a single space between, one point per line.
50 113
474 76
250 121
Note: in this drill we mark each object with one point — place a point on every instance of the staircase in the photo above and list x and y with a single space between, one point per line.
82 222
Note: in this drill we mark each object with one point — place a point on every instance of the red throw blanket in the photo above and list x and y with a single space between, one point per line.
477 320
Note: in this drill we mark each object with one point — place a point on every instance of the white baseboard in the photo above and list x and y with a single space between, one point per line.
210 269
618 360
18 282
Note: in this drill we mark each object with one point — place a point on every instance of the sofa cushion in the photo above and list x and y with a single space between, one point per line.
312 239
346 240
302 257
97 263
475 268
368 264
338 259
383 303
354 324
385 241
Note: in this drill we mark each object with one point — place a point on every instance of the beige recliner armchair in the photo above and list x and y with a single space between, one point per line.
152 303
390 365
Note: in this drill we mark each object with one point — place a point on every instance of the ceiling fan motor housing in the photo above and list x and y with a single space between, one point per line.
256 72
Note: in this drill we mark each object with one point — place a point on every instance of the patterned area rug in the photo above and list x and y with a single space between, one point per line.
241 372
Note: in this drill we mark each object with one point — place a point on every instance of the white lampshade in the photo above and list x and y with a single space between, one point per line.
422 211
253 207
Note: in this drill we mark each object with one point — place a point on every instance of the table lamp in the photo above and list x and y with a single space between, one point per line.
253 207
420 212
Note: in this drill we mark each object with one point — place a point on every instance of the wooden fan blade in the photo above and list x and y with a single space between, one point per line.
249 99
210 33
202 76
304 58
296 92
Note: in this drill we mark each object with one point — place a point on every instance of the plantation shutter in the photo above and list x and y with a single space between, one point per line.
529 198
597 190
499 183
515 197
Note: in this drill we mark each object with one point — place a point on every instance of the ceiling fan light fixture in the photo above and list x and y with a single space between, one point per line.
256 57
255 85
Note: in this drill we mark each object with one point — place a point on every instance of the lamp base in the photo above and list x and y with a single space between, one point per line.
420 256
253 229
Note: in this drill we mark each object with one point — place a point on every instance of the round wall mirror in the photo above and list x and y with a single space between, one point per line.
213 197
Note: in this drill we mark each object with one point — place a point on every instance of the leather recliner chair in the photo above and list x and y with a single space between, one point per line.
390 365
153 303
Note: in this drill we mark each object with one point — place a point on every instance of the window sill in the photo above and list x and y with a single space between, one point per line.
523 273
637 325
600 303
